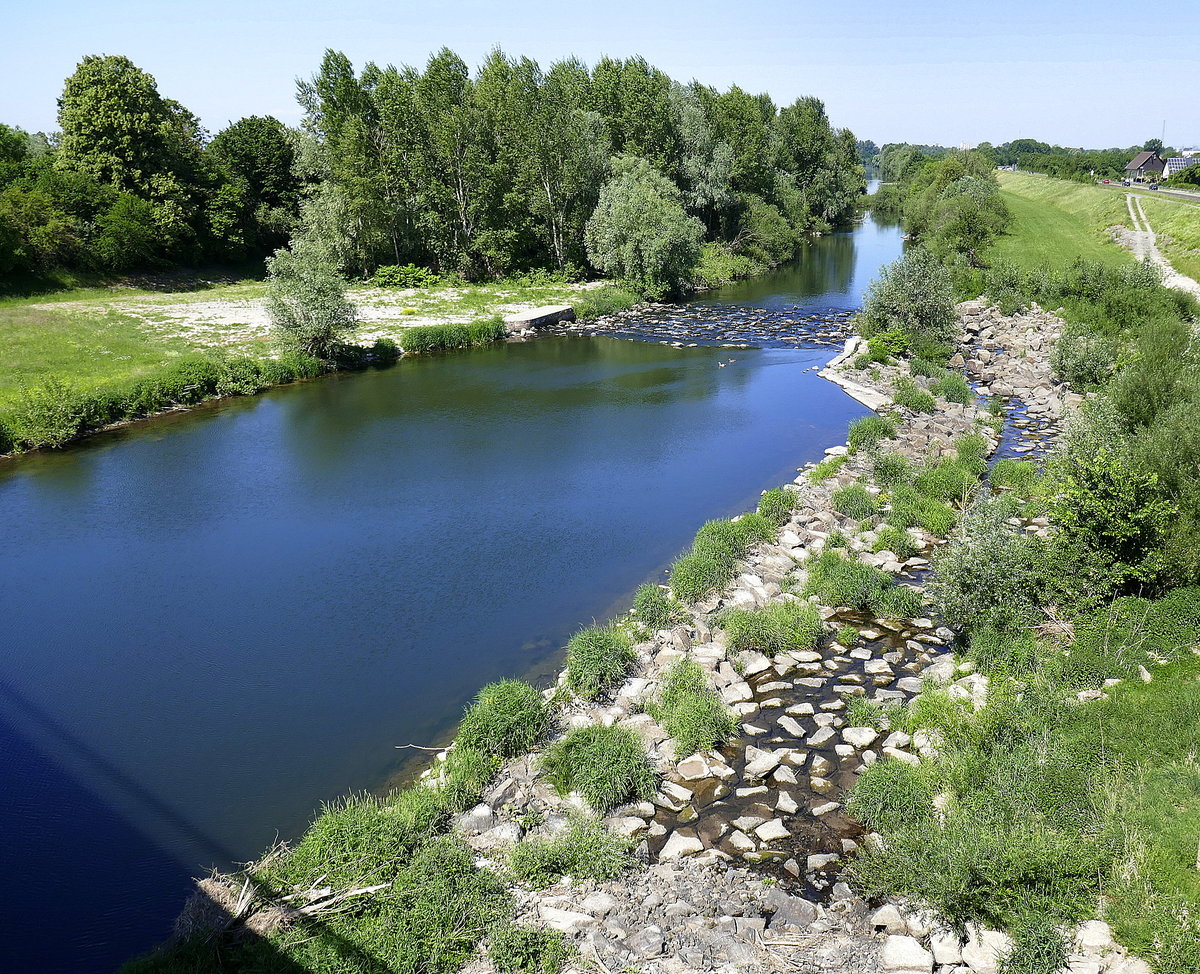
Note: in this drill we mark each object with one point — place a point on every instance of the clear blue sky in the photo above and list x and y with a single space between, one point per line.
1094 74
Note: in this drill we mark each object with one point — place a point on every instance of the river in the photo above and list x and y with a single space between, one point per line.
219 619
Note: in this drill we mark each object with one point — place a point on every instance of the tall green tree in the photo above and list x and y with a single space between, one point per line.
306 298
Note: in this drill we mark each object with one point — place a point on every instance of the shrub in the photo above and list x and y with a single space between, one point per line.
910 508
863 361
910 396
406 276
597 658
1083 359
892 469
51 414
655 607
988 575
585 850
640 233
507 719
846 636
855 501
869 431
913 296
777 505
603 301
606 765
719 265
773 629
891 795
306 298
523 950
690 710
953 388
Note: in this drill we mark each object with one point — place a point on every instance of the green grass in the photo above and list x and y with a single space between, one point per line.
597 658
507 719
773 629
655 607
690 710
827 468
709 563
839 581
869 431
585 850
1056 222
777 504
855 501
525 950
606 765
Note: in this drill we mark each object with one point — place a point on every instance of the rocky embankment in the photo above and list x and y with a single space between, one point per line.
744 847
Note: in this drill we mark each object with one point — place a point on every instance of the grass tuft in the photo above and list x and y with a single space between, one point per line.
597 658
606 765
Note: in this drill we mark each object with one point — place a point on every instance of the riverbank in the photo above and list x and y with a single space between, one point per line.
808 715
206 360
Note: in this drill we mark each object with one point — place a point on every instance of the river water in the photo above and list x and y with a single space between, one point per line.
217 620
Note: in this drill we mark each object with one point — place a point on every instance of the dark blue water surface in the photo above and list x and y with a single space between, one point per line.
217 620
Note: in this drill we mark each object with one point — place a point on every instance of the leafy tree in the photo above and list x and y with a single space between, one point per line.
639 231
967 216
306 297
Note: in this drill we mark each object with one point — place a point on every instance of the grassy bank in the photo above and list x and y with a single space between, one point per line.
77 361
1074 792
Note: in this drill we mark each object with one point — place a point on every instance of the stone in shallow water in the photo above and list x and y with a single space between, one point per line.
679 845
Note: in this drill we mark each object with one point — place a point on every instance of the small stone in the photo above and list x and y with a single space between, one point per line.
760 763
819 861
772 831
741 842
1094 936
680 845
821 736
822 810
945 947
786 804
860 737
905 955
564 921
985 949
889 919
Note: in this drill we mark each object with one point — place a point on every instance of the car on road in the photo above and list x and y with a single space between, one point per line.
1106 181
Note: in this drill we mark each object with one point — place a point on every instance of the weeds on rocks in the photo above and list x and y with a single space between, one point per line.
892 469
525 950
869 431
507 719
606 765
690 710
838 581
855 501
655 607
584 850
911 396
718 546
773 629
597 658
777 505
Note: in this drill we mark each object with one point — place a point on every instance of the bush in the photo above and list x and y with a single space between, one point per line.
930 370
50 415
690 710
1020 476
869 431
585 850
719 265
606 765
947 480
597 658
1083 359
507 719
846 636
603 301
777 505
855 501
892 469
522 950
953 388
988 576
306 298
773 629
911 396
913 296
407 276
654 606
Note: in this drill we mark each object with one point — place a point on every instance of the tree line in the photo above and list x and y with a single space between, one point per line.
613 168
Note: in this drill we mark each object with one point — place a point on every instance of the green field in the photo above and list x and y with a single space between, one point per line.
92 336
1055 222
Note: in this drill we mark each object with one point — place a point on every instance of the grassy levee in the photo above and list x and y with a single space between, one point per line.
1056 222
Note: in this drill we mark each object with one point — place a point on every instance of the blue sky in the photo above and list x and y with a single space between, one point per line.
1091 74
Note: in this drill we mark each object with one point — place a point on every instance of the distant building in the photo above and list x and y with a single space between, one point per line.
1179 164
1145 165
